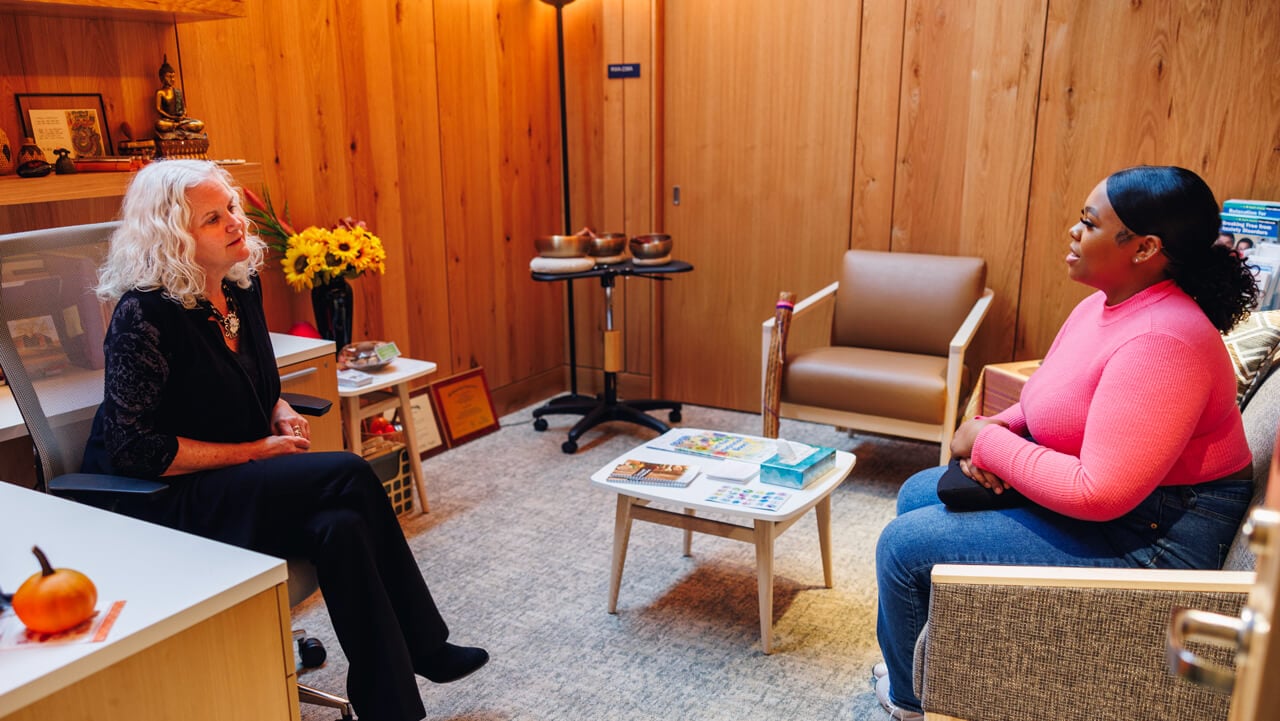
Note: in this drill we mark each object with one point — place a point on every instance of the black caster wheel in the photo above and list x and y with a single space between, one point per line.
311 652
674 416
569 447
539 424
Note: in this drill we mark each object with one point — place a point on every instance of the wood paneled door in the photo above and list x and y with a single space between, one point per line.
759 101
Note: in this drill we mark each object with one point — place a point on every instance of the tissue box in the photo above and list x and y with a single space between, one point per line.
778 472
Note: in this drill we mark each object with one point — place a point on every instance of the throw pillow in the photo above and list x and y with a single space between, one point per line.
1254 347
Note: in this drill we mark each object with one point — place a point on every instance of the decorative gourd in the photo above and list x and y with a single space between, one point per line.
54 599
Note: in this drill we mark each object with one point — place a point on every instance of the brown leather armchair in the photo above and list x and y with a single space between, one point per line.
893 362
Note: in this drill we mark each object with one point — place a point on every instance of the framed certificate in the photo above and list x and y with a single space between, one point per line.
424 422
465 407
77 122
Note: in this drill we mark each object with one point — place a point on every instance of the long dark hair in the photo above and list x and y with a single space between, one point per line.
1178 206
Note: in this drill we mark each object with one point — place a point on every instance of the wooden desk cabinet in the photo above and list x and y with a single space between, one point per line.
317 377
204 634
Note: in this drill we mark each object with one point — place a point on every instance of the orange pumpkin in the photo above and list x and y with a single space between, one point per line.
54 600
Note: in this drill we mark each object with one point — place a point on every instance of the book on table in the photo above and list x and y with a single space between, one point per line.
653 474
725 446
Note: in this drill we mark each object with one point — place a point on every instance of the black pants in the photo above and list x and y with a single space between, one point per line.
329 508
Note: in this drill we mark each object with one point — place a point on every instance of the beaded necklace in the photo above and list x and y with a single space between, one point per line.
229 323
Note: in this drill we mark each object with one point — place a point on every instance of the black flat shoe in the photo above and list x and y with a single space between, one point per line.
454 662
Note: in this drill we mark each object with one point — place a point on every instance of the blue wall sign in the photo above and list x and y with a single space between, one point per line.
624 70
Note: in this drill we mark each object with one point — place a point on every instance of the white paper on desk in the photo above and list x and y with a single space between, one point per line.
733 471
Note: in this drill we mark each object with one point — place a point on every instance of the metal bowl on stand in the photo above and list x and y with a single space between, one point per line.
651 246
562 246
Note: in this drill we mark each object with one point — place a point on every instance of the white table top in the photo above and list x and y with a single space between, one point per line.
398 371
169 580
695 494
80 390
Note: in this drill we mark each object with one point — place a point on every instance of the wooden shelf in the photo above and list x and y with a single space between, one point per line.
145 10
83 186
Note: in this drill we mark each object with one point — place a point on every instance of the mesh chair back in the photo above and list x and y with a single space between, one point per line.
51 354
905 302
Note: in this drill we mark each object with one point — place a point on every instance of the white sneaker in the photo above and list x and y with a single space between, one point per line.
895 713
879 671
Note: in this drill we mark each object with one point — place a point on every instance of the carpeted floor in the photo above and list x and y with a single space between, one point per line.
516 550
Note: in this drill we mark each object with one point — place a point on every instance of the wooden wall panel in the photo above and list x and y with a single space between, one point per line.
758 134
876 135
500 144
971 71
1182 83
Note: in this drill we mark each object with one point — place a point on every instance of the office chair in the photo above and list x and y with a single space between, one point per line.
53 368
894 361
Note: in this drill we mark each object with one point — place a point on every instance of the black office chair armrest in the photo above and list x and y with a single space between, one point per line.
307 405
104 491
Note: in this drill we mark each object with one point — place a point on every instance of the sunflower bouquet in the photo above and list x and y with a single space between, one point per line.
316 256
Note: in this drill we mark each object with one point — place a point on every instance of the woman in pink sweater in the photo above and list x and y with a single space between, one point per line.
1127 441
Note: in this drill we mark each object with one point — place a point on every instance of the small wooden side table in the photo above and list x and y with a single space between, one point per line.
389 390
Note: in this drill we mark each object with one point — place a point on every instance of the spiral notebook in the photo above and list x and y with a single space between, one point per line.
653 474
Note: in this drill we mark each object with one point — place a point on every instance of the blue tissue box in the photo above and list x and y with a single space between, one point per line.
778 472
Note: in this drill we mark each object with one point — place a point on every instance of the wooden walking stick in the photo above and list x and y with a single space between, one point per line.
777 358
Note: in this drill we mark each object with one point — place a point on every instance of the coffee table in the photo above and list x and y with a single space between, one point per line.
765 526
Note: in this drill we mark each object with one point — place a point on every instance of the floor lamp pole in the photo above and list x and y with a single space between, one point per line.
564 182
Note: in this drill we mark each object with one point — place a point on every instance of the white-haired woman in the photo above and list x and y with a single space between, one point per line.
192 394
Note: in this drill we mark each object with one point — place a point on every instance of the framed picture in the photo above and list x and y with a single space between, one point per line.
465 407
424 422
75 121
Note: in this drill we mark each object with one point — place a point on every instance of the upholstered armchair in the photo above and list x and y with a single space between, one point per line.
1078 644
893 360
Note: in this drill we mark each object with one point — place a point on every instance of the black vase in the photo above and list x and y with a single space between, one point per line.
332 305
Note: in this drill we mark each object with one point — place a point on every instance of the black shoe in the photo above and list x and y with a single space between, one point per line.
454 662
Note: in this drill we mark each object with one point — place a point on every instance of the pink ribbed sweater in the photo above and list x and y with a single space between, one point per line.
1129 397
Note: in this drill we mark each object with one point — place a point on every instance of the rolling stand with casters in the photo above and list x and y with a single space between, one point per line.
606 406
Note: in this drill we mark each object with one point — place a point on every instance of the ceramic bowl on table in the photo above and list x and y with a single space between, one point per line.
364 356
651 246
562 246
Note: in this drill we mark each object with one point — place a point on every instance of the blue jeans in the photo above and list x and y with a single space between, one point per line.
1175 527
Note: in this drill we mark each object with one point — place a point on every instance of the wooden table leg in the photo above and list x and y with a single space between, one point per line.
621 536
351 414
411 442
688 535
764 580
823 512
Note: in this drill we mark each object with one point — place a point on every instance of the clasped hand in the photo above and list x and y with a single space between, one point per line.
292 431
962 449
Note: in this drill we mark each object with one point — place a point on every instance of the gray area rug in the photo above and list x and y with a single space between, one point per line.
517 549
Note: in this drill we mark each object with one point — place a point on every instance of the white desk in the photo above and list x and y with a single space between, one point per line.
389 390
634 499
204 633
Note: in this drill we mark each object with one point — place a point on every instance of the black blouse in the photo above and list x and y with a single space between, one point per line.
169 374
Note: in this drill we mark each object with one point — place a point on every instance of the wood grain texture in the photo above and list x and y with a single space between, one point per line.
160 11
758 131
971 71
1181 83
876 134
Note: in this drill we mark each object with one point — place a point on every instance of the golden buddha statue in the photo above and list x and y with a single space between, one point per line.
172 107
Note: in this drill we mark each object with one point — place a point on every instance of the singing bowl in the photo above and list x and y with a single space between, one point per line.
606 245
653 245
562 246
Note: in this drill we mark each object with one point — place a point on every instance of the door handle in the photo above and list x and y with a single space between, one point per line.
1216 629
1188 624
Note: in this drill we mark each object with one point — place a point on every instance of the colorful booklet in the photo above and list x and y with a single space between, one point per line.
653 474
750 498
727 446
